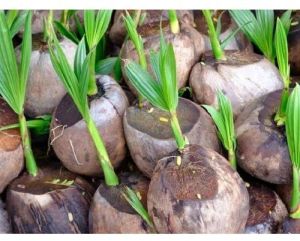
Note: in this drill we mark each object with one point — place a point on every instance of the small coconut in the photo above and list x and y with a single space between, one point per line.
202 195
5 226
149 136
111 213
262 149
55 201
243 77
11 150
117 32
70 138
188 45
267 211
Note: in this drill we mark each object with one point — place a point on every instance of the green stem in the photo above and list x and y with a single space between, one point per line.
295 192
232 158
92 88
174 24
29 157
47 26
110 176
180 141
281 112
215 44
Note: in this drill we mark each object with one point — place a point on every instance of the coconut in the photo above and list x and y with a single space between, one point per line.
201 195
188 46
44 88
5 226
111 213
243 77
228 26
11 150
267 211
117 32
70 138
149 136
55 201
262 149
294 48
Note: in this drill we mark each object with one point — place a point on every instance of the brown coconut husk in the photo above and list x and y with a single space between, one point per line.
70 138
201 195
5 226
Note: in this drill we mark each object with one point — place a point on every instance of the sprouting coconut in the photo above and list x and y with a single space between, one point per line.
13 88
147 131
11 151
262 148
107 104
226 28
242 76
44 90
193 189
76 82
117 32
188 45
5 226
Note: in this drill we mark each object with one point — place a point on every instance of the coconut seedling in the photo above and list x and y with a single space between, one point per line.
146 127
226 30
26 195
242 76
188 45
109 204
187 179
292 127
262 149
107 103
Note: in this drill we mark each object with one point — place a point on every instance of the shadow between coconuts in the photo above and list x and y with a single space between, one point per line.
72 142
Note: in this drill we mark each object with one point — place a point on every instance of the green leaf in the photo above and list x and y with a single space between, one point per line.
18 23
11 16
286 20
106 66
80 56
79 26
117 71
65 32
292 126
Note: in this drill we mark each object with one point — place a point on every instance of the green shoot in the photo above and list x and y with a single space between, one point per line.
259 28
131 197
95 28
14 78
161 92
281 48
214 38
225 124
38 126
15 20
292 125
76 83
174 24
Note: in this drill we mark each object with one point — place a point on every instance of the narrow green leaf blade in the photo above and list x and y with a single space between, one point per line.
65 32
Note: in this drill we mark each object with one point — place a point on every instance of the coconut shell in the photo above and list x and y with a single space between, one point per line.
267 211
111 213
291 226
294 44
150 139
11 150
118 32
71 140
243 78
5 226
285 193
44 88
262 149
37 205
201 195
228 26
188 45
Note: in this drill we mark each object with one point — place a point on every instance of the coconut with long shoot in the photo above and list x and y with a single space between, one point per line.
70 138
193 189
113 201
146 127
262 148
242 76
24 203
188 45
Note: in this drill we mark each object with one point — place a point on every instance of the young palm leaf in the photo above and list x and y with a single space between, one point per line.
15 20
174 24
13 80
292 126
161 92
281 48
225 124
